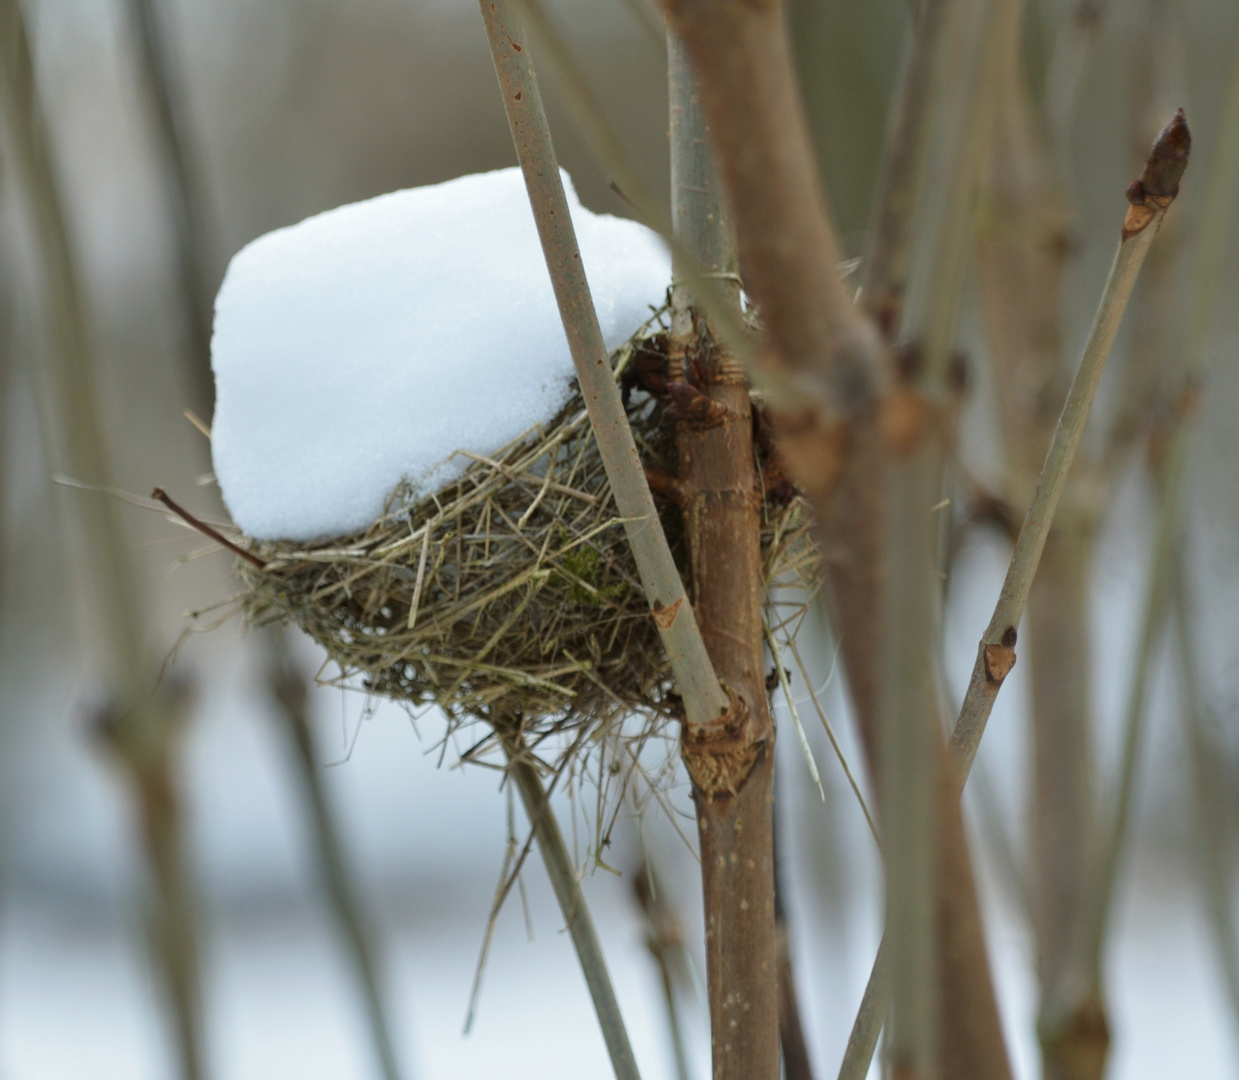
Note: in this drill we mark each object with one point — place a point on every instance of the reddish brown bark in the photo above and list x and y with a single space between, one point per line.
731 762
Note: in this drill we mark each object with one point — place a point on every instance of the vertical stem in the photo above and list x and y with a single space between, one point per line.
567 888
1215 858
704 699
666 945
288 686
732 768
140 722
908 760
155 56
885 268
796 1063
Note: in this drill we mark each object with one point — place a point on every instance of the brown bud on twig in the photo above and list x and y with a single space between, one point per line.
1158 184
205 529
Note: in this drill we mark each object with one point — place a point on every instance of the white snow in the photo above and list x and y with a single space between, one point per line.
366 345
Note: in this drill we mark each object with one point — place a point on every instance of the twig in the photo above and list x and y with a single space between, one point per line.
666 946
627 183
884 269
796 1062
1155 191
1150 197
205 529
288 687
567 888
704 699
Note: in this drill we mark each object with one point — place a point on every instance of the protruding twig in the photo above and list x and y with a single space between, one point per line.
996 652
576 915
206 530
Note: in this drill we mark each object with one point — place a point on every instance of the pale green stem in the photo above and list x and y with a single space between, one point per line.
704 699
709 288
560 870
983 686
288 686
999 638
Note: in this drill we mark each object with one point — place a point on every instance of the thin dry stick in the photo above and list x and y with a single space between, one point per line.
288 687
140 723
923 979
567 888
704 699
1150 197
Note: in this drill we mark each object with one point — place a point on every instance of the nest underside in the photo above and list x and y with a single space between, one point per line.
509 595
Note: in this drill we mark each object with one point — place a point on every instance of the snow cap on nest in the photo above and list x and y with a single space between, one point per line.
367 344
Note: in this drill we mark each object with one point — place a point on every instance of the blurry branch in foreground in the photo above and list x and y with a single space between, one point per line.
140 721
290 690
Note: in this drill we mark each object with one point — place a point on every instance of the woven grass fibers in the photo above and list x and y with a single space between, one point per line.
510 595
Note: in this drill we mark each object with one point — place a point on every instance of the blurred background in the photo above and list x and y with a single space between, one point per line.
290 107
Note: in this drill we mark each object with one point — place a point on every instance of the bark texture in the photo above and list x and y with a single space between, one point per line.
824 374
731 763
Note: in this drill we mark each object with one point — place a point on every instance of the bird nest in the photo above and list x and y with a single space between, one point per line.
509 594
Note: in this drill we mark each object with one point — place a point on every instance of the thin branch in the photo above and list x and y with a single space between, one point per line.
1150 197
201 526
560 870
289 689
665 943
704 698
710 287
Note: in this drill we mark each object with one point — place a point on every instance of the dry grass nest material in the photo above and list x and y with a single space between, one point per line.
511 593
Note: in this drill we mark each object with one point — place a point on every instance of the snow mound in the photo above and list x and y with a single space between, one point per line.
367 344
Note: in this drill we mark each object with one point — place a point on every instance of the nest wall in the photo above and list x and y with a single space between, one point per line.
509 595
